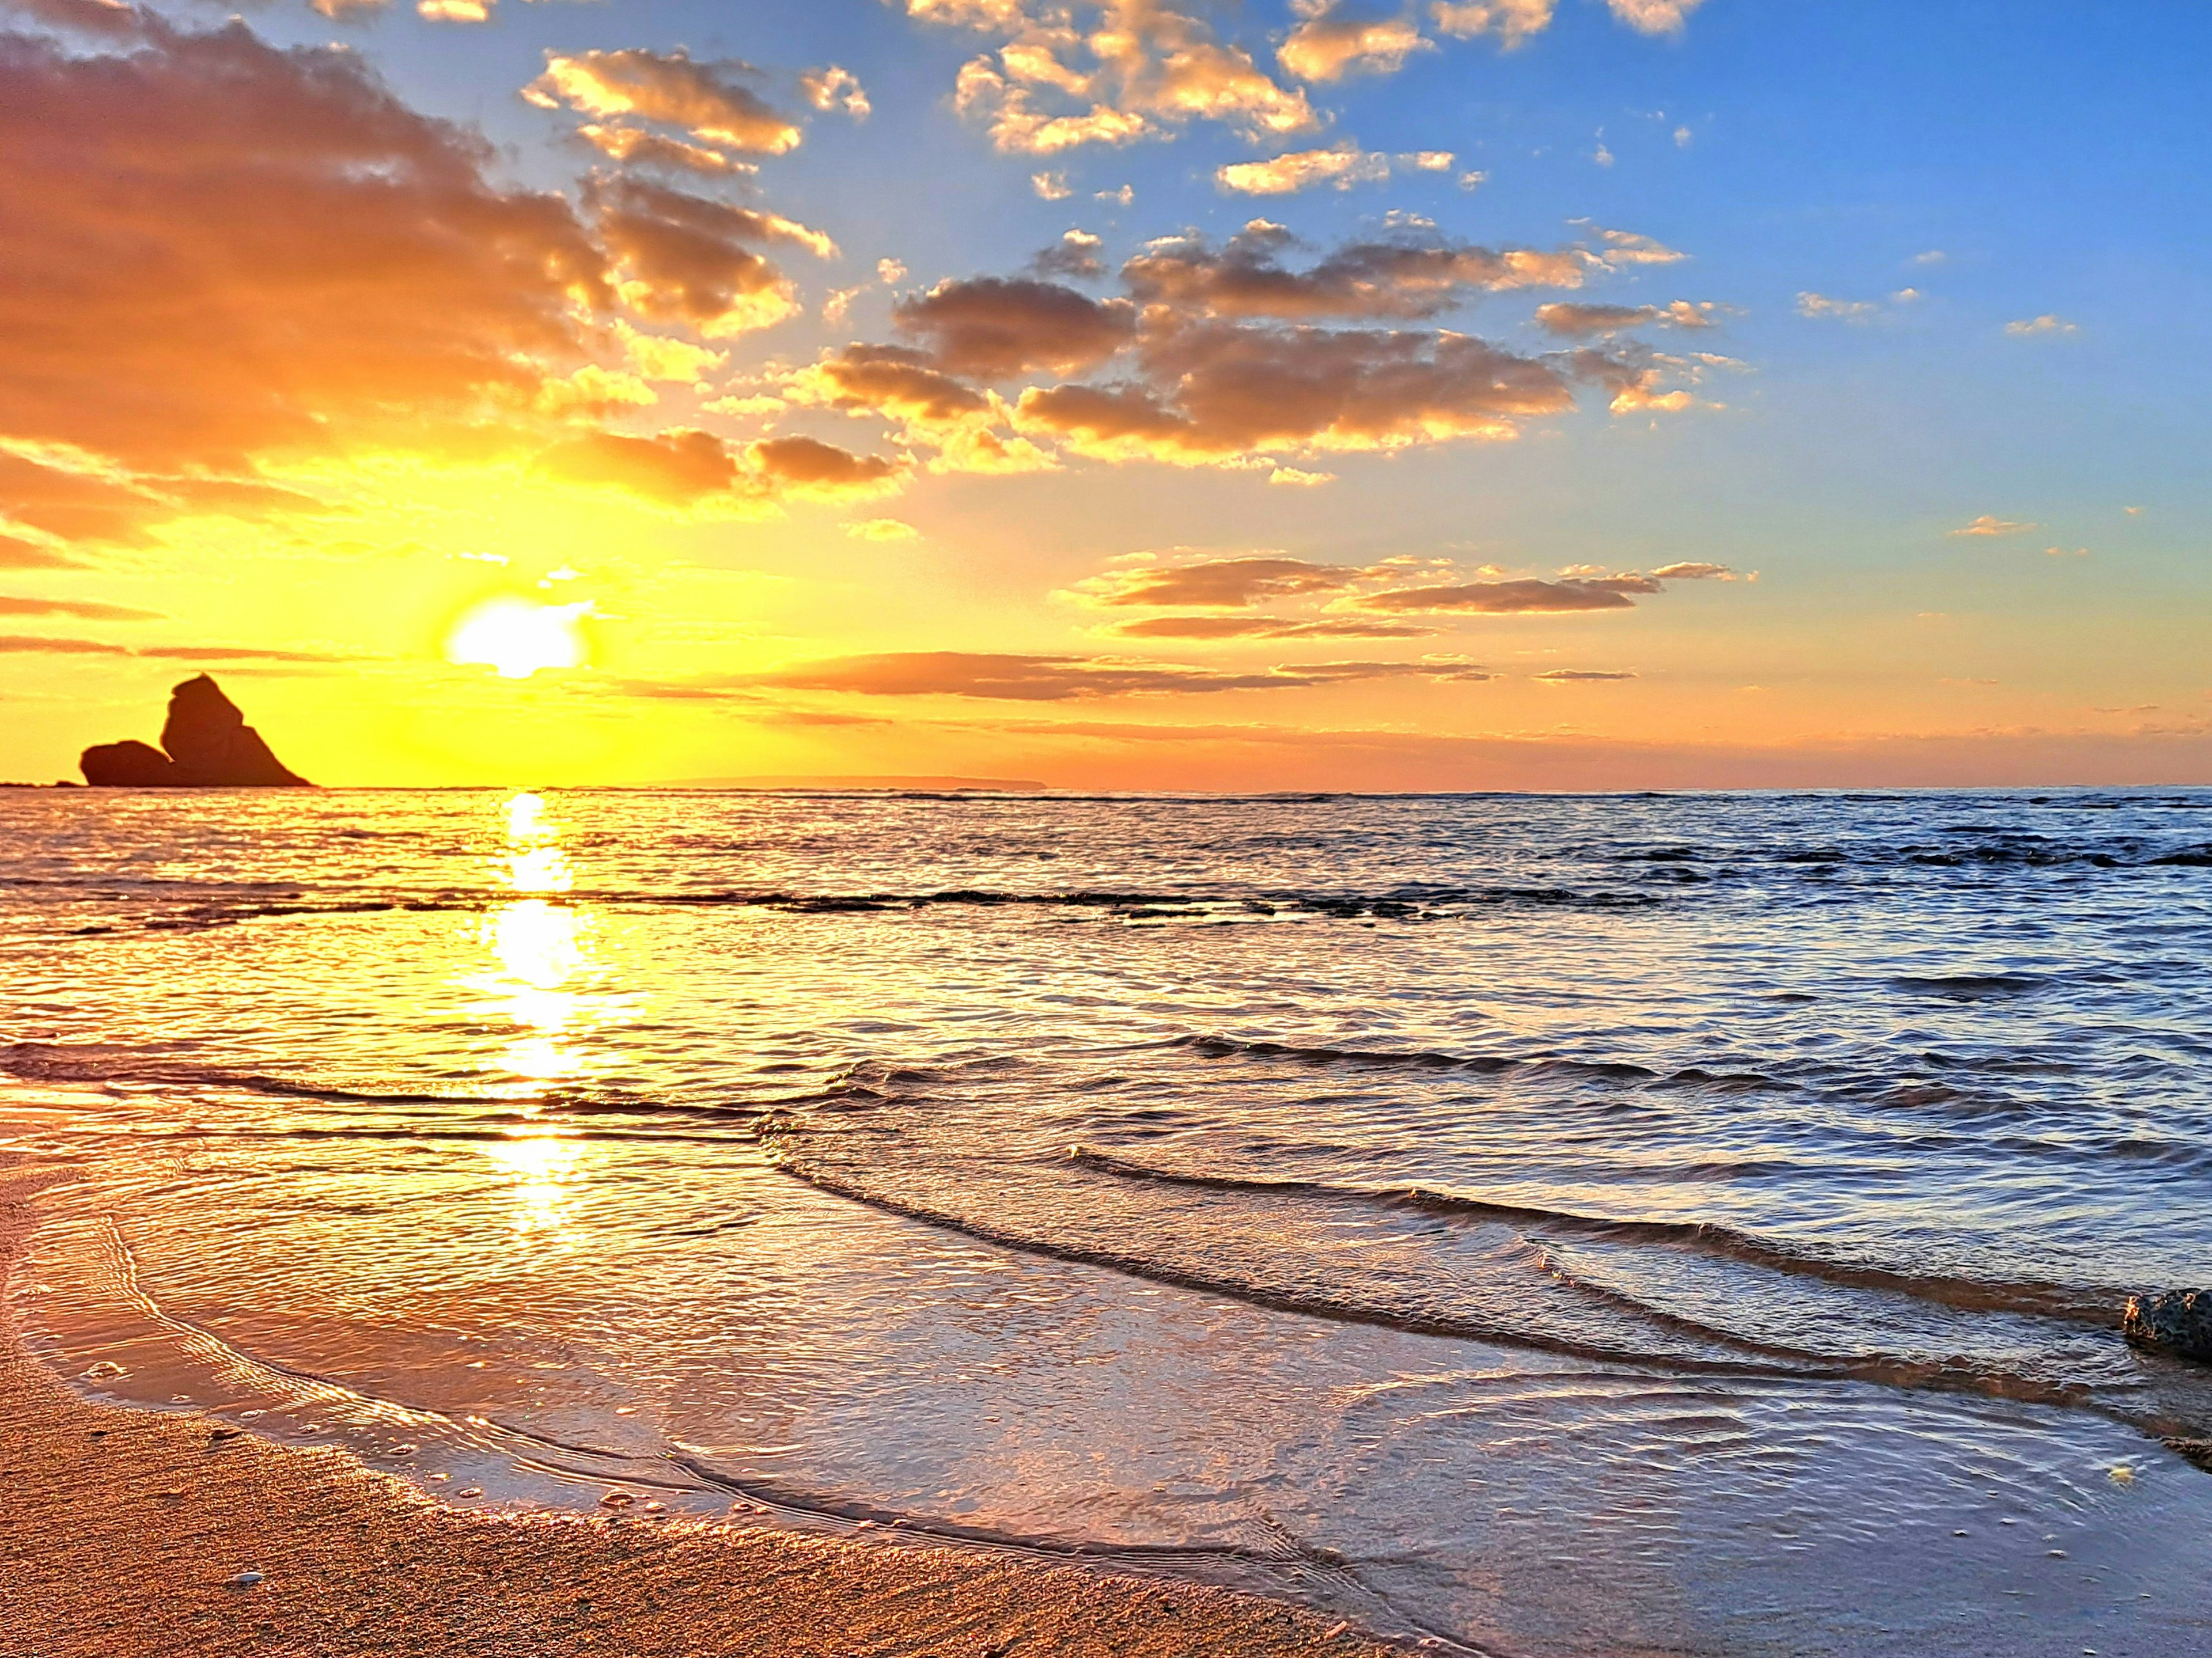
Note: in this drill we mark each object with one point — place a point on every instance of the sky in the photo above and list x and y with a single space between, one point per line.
1290 394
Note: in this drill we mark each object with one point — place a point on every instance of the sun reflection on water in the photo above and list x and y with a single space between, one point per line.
547 1169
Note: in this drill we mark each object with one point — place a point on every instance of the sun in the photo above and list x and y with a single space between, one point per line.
516 638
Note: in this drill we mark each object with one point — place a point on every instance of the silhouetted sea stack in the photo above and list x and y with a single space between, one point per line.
209 746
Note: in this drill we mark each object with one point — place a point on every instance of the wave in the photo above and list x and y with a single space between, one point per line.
2072 1305
1215 1046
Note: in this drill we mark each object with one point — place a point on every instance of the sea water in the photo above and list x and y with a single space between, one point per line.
1536 1224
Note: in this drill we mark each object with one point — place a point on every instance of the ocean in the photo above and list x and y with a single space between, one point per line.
1545 1225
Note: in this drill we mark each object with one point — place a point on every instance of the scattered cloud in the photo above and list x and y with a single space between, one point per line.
1990 525
998 328
636 147
1575 676
1000 678
707 100
882 528
1340 167
1933 255
1075 257
686 259
16 554
1409 275
1222 583
836 88
1051 186
1146 69
1819 305
1581 321
1512 22
1654 17
1521 597
687 469
1203 628
82 610
1333 40
2060 552
2045 323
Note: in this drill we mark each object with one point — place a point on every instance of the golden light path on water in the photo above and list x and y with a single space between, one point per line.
543 951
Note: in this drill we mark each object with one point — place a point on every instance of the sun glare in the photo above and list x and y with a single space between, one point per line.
515 637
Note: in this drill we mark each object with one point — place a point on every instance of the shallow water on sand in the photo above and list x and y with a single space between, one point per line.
1550 1226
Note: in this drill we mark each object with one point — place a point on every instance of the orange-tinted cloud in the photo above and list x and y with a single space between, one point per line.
1110 72
1333 40
997 328
1225 583
1402 277
1263 627
806 467
686 468
707 100
83 610
219 249
1525 597
1225 391
686 259
1584 321
1066 678
16 554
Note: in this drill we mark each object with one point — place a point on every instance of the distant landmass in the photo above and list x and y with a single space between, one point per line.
1012 785
205 744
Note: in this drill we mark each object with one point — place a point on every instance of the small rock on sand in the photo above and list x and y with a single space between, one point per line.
2178 1322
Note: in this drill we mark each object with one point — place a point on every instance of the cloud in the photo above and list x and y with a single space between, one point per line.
2045 323
706 99
998 678
1401 277
893 381
1333 40
1051 186
82 610
1989 525
821 471
1694 571
1584 320
1226 583
1075 257
997 327
686 259
676 468
684 468
22 644
1819 305
834 89
1512 22
1343 166
1263 627
1111 73
882 528
1575 676
1620 248
634 146
219 250
1523 597
1654 17
16 554
1219 391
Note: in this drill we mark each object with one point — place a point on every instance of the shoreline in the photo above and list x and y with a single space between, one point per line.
122 1531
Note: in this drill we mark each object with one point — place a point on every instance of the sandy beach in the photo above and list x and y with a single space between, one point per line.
125 1532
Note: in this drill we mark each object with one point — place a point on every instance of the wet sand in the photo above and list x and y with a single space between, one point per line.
121 1532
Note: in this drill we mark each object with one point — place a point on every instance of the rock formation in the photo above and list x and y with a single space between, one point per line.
209 746
2178 1322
